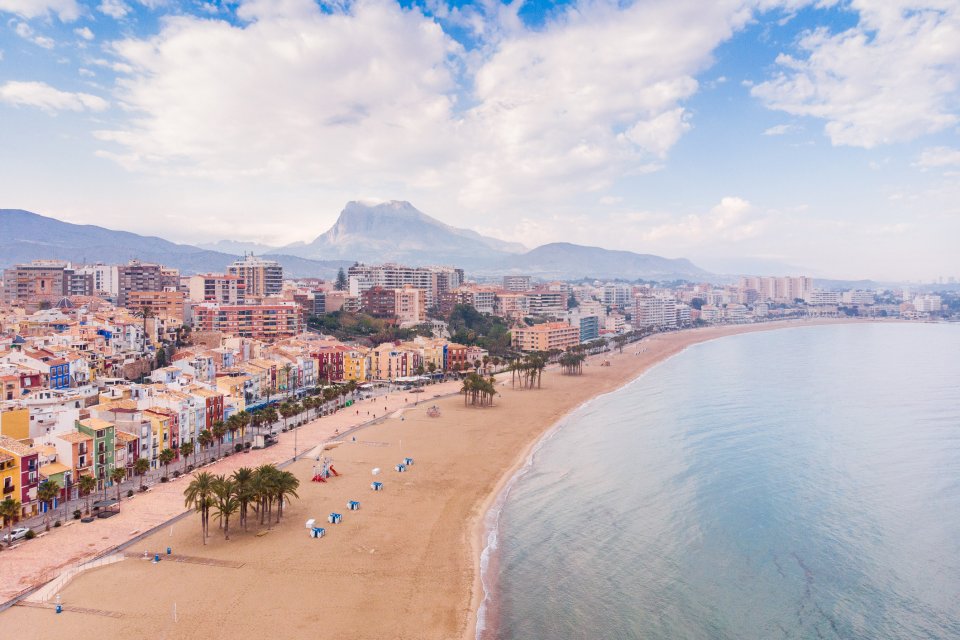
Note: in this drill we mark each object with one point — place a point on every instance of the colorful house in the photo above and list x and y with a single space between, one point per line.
25 460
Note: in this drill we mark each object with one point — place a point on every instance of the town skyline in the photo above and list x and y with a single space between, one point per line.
746 130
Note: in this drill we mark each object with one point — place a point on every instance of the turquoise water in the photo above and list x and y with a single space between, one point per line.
801 483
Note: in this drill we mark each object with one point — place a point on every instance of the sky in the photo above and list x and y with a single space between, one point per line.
762 136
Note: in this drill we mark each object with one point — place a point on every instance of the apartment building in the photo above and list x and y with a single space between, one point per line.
264 322
547 336
217 287
261 277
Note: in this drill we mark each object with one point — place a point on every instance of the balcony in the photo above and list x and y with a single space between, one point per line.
8 490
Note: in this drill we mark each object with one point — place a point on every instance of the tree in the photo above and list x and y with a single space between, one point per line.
185 450
205 439
219 431
165 458
141 466
46 494
341 283
225 502
117 474
198 496
286 486
87 484
10 512
243 477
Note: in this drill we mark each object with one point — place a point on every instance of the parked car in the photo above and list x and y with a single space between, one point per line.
17 534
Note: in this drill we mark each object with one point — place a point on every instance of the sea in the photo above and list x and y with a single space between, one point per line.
797 483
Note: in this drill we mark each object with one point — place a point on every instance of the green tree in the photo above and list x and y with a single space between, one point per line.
243 477
285 486
10 512
87 484
141 466
117 474
166 457
46 494
219 431
205 439
185 450
225 502
197 495
341 284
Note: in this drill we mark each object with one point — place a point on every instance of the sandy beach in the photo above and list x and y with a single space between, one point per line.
406 565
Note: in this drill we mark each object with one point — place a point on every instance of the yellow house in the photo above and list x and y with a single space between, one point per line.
9 476
15 424
356 365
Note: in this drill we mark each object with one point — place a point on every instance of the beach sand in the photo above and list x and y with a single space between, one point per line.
406 565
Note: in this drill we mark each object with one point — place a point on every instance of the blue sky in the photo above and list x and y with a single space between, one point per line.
746 135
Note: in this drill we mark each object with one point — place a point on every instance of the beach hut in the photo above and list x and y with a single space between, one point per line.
353 505
317 532
408 461
334 518
377 486
401 468
311 523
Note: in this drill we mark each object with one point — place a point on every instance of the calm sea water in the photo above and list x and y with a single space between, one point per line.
802 483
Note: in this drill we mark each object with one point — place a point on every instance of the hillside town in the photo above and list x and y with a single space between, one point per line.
114 372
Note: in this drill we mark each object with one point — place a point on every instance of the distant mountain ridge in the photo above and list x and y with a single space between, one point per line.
26 236
387 232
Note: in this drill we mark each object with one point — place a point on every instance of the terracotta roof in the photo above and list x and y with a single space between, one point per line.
96 423
15 446
74 436
125 437
53 468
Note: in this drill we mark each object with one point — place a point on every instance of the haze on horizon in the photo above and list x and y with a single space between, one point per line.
821 134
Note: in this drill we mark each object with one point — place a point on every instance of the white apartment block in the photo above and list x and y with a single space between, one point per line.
653 311
820 297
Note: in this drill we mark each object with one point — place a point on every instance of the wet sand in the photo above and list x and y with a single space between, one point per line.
406 565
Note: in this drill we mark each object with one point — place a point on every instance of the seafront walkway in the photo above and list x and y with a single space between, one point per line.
33 563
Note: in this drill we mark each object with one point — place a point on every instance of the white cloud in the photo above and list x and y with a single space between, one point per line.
24 30
84 32
114 8
733 219
938 157
893 77
66 10
49 99
377 99
780 130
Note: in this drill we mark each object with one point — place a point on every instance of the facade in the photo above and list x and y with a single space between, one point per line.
25 463
217 287
138 276
260 277
434 281
158 304
264 322
547 336
36 280
650 311
517 283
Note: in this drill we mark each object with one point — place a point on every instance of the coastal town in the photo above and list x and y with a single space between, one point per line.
119 376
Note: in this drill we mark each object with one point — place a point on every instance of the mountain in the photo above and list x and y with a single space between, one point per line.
235 247
26 236
397 232
565 261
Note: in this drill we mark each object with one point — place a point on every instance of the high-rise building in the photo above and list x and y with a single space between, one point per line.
517 283
38 279
264 322
217 287
105 278
138 276
650 311
260 277
434 281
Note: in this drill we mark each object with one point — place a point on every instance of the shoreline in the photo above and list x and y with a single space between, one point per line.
408 565
486 523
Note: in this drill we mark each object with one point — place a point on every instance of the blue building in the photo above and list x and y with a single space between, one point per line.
589 328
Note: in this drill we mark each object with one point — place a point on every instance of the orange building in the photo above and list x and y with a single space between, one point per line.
547 336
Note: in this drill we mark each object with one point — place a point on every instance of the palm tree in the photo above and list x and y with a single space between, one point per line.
185 450
205 439
225 502
286 485
197 495
116 477
46 494
264 483
87 484
243 477
286 411
141 466
219 431
165 458
10 512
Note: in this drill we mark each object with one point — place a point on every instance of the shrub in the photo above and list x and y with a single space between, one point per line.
238 447
31 534
57 524
164 479
129 493
77 514
226 454
247 445
143 489
189 468
176 474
